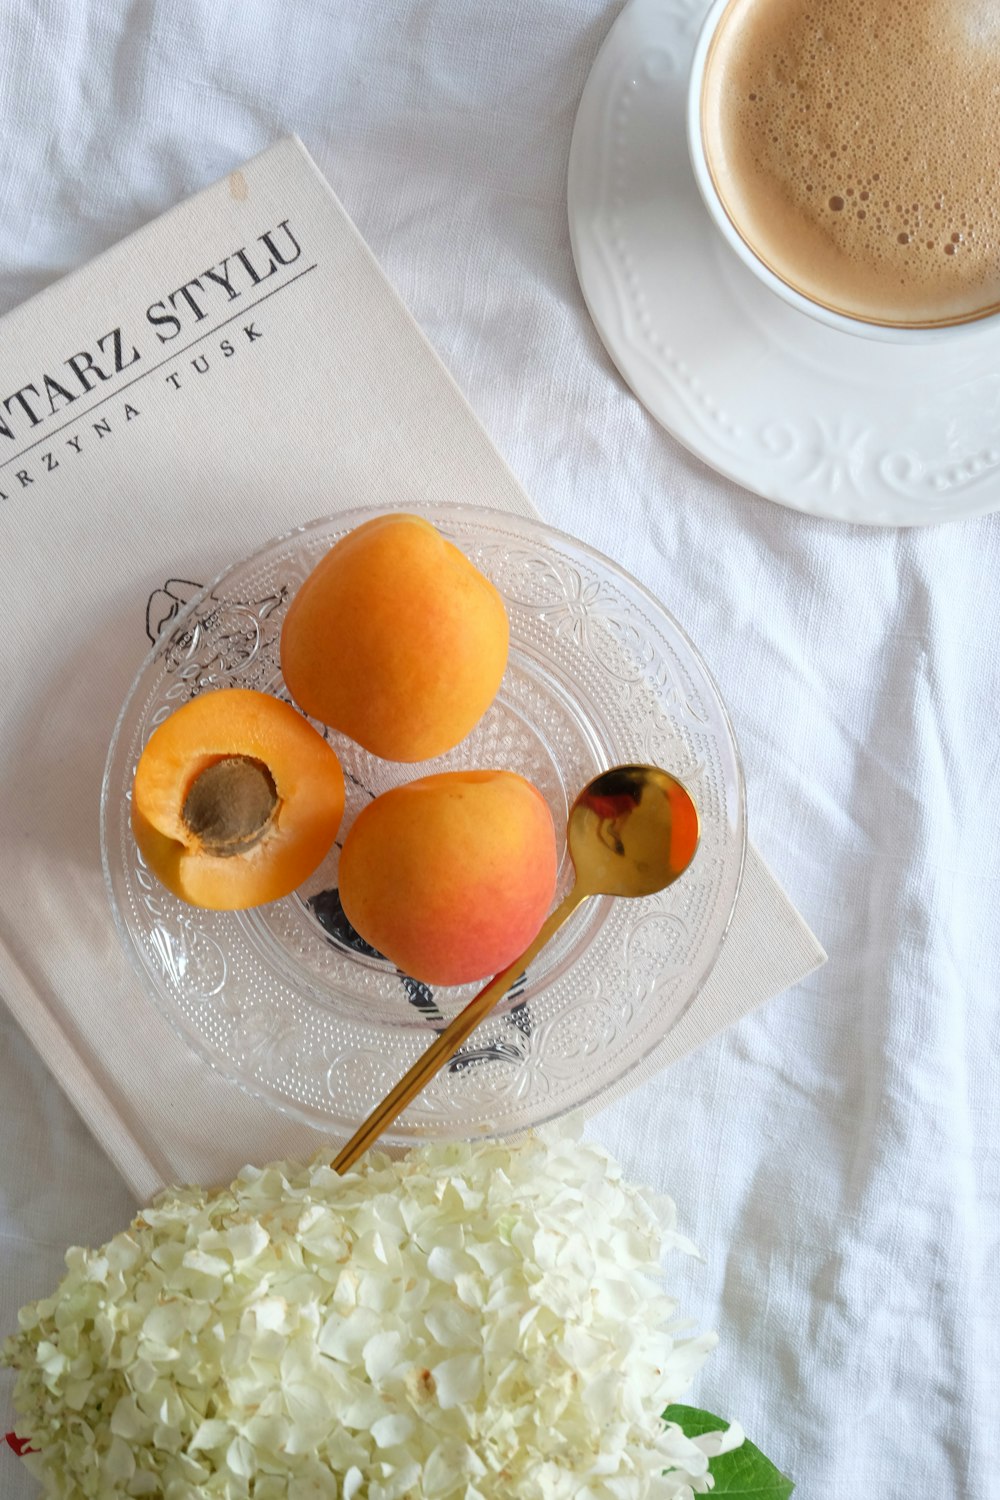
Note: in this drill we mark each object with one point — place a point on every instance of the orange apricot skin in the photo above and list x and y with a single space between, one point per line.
451 876
396 639
306 774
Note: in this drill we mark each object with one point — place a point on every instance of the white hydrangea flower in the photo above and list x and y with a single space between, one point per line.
468 1323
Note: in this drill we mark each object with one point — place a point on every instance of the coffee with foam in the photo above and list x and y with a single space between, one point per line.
855 145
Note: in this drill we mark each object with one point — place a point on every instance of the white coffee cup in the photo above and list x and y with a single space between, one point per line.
843 322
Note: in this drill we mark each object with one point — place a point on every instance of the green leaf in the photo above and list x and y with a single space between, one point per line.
744 1471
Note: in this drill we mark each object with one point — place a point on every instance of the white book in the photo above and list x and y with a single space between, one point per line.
233 369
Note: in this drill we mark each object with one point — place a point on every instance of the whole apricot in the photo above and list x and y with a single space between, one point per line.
236 799
396 639
451 876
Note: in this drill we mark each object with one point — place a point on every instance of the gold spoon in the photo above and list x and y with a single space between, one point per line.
631 832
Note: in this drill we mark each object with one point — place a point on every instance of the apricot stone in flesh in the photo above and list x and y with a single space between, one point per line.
451 876
236 800
396 640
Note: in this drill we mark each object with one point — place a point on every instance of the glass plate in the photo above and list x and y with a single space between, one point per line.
290 1004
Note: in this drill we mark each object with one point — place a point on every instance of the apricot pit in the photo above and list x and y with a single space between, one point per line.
231 805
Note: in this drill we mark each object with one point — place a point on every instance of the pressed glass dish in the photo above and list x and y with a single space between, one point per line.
286 1001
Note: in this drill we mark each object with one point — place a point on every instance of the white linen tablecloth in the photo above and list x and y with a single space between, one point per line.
836 1154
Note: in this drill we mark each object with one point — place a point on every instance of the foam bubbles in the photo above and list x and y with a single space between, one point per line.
829 165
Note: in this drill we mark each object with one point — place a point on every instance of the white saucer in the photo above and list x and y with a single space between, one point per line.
818 420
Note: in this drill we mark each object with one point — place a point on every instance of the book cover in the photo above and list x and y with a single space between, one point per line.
235 368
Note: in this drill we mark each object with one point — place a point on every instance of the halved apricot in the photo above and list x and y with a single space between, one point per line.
236 800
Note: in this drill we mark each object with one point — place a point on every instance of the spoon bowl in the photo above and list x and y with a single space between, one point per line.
632 831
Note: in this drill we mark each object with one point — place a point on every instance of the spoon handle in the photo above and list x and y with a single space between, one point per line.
451 1038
